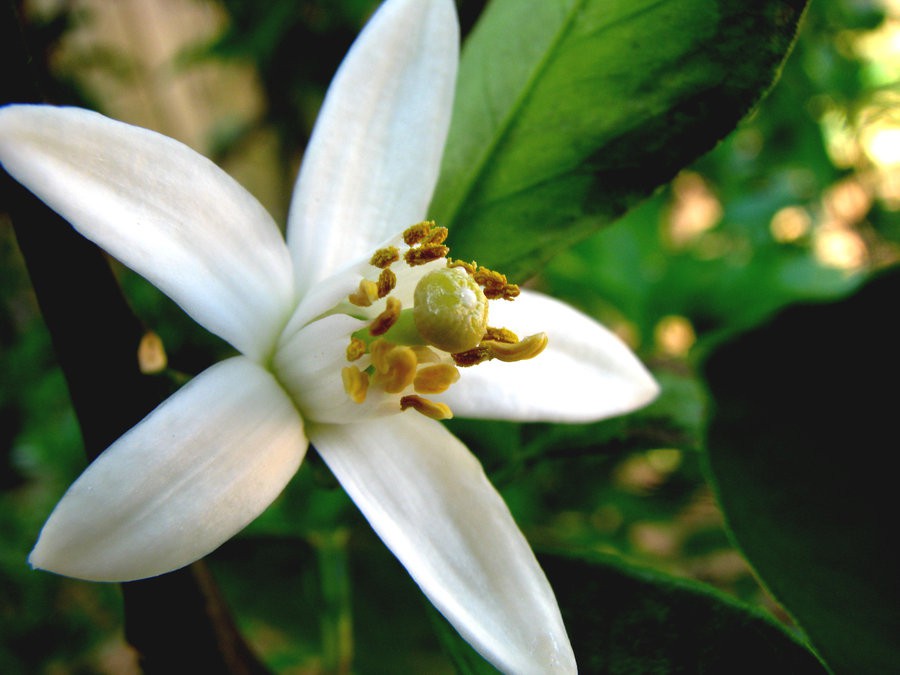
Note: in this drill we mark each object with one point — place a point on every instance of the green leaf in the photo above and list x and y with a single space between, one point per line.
805 424
623 619
569 112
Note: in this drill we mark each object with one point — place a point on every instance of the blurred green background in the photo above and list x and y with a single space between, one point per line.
799 203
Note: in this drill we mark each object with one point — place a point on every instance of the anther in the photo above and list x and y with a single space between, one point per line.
436 411
520 351
387 318
355 349
365 295
437 235
469 267
397 370
425 254
356 383
387 280
385 257
500 335
416 234
435 379
472 357
495 285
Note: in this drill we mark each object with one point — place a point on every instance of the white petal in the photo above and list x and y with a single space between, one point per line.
586 373
163 210
191 475
428 499
373 159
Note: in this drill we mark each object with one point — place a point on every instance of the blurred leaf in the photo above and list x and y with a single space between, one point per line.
569 112
798 441
623 619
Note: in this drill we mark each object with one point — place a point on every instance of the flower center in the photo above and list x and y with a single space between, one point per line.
419 349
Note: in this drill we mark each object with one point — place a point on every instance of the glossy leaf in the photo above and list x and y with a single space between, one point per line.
805 422
569 112
623 619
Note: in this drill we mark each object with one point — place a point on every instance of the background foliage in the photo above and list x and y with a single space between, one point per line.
798 204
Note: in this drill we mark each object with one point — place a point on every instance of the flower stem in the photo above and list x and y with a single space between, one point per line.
336 615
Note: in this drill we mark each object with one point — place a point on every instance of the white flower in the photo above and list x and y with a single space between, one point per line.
209 459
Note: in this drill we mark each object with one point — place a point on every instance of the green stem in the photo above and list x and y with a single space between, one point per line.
336 615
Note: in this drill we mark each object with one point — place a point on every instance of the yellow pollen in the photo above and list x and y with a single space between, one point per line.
395 369
469 267
520 351
355 349
387 318
472 357
356 383
365 295
425 254
416 234
500 335
437 235
385 257
495 285
387 280
436 411
435 379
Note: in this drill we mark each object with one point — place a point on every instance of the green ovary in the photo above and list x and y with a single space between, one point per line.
450 310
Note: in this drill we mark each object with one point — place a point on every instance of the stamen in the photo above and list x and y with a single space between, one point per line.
437 235
495 285
520 351
356 383
469 267
436 411
426 354
425 254
365 295
387 280
355 349
500 335
395 369
435 379
385 257
416 234
472 357
387 318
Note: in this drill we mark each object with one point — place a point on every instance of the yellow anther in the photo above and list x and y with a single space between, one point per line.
387 280
436 411
356 383
437 235
495 285
385 257
520 351
435 379
383 322
426 354
472 357
425 254
365 295
500 335
469 267
355 349
416 234
379 350
397 371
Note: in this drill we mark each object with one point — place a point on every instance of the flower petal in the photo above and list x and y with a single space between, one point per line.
373 159
191 475
428 499
585 374
163 210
